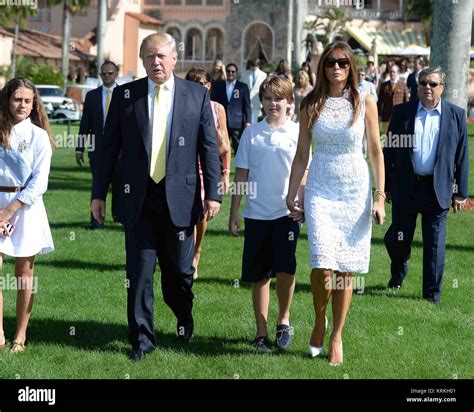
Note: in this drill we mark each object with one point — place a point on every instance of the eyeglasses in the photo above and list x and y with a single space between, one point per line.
230 71
433 85
110 73
342 63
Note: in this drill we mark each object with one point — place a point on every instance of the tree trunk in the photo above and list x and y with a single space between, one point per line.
450 45
101 25
15 41
65 44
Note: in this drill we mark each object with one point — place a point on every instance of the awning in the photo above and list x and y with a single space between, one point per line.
388 41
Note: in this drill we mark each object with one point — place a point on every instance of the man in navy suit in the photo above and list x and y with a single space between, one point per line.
234 95
160 124
92 124
412 80
427 176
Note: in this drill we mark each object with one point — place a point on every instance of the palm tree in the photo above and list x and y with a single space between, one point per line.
16 15
331 24
70 7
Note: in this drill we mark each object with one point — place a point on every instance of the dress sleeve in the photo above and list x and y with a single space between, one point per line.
38 183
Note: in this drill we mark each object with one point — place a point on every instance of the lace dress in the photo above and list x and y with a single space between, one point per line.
338 199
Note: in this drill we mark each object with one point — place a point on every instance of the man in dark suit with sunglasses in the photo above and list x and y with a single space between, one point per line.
234 95
426 168
92 124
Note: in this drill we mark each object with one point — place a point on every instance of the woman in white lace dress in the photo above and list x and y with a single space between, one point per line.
338 199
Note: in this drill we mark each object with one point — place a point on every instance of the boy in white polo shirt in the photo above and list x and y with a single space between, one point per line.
264 160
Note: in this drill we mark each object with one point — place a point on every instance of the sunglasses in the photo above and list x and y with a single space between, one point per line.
107 73
342 63
230 71
433 85
203 83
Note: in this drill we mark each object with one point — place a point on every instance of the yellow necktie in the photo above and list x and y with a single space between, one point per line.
107 101
158 142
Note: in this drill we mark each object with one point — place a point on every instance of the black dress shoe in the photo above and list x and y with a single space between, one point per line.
138 355
185 330
394 284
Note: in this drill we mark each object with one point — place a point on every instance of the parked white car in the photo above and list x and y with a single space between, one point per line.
57 104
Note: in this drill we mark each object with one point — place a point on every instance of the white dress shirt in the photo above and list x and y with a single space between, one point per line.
229 87
427 125
168 95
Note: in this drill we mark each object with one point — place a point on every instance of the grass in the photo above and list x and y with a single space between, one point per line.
78 327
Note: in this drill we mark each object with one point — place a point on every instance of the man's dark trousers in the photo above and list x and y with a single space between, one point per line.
154 235
399 237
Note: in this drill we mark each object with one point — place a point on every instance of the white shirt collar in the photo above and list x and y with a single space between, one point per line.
421 107
104 87
23 125
283 128
232 83
168 84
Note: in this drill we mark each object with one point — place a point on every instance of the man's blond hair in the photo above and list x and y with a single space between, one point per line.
158 38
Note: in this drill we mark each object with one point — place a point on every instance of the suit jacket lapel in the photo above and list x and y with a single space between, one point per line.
443 129
411 127
179 110
141 113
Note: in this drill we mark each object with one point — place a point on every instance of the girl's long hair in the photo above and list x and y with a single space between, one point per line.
37 116
315 100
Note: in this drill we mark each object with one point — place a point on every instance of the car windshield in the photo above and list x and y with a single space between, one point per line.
50 91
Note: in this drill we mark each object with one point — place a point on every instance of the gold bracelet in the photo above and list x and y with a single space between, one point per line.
380 193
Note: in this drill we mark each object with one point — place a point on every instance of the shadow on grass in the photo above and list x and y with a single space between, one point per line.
109 226
382 290
419 244
110 337
80 264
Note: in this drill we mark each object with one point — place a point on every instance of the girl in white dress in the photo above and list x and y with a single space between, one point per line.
338 202
26 147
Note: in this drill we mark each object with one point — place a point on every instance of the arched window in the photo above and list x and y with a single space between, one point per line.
214 44
193 45
258 43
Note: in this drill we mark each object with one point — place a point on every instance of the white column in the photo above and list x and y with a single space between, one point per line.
400 2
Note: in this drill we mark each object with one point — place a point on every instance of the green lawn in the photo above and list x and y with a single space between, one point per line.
78 327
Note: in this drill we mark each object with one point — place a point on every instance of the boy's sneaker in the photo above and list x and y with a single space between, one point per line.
262 344
283 336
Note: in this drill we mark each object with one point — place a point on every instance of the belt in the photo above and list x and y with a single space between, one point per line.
423 178
11 189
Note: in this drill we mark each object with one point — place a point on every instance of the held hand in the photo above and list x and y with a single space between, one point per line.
234 224
293 206
80 159
98 210
379 209
459 203
211 209
298 212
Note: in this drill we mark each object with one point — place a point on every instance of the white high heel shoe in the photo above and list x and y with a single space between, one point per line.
316 351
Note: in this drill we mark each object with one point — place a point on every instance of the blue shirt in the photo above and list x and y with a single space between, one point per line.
427 125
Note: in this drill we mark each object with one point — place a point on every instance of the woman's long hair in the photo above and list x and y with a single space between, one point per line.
37 116
315 100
